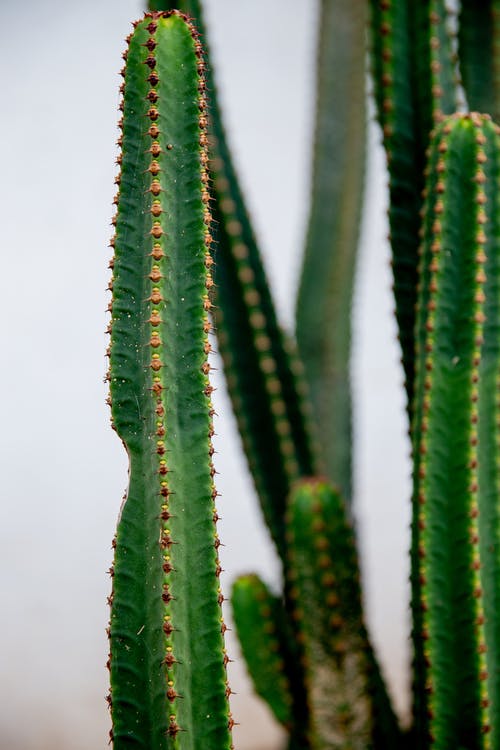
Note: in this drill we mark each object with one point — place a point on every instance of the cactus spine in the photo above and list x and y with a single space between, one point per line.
167 661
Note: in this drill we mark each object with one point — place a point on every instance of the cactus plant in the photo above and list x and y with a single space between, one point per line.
164 682
307 648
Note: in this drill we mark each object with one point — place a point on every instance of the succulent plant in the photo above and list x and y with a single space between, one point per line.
307 647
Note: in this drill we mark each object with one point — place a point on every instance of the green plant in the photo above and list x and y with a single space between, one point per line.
307 649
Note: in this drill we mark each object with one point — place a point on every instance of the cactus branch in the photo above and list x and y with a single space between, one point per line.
455 516
414 82
168 680
325 292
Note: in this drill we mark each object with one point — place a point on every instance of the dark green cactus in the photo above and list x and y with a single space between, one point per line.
456 438
307 648
168 688
414 84
479 40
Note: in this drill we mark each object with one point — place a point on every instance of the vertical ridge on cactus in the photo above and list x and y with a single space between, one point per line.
462 199
166 685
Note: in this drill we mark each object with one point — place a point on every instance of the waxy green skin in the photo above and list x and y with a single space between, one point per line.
167 661
455 547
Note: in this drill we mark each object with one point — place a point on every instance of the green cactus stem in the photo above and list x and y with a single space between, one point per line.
455 554
167 661
479 46
325 292
414 82
260 623
341 672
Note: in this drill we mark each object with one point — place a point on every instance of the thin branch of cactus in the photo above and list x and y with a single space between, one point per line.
324 300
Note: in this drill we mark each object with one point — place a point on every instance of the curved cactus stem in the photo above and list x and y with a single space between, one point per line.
455 550
168 679
342 679
479 48
414 81
324 300
264 375
259 620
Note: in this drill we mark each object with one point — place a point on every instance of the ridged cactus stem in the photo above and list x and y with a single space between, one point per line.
167 661
348 706
455 566
414 81
324 301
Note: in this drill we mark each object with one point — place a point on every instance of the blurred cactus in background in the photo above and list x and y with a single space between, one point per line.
179 208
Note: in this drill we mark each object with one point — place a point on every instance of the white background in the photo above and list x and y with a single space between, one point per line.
63 470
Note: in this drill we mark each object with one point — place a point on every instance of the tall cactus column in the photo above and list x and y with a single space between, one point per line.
455 566
167 661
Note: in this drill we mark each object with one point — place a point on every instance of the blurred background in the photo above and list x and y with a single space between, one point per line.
63 469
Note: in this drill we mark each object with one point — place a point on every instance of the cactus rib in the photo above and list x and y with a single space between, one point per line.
455 521
168 679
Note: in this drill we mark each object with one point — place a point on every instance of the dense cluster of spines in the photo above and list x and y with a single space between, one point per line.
154 312
453 682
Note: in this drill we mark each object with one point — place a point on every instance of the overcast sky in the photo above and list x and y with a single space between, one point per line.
63 469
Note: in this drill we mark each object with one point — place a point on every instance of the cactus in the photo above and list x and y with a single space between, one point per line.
456 439
307 647
167 687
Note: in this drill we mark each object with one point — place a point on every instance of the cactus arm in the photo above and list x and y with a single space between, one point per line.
168 680
324 585
263 372
413 73
479 47
454 645
259 620
324 300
